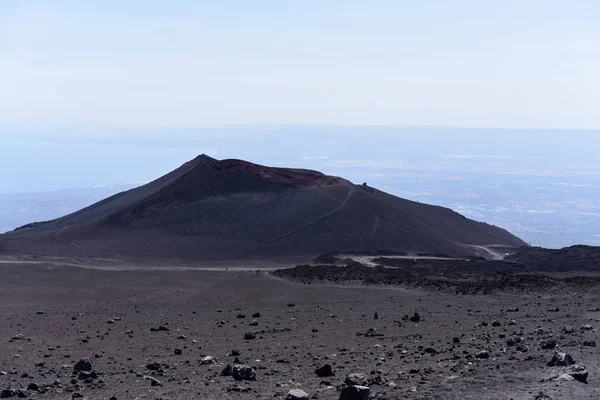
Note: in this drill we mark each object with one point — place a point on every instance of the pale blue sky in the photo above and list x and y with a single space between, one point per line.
189 64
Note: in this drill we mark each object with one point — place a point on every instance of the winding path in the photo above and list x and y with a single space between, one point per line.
313 221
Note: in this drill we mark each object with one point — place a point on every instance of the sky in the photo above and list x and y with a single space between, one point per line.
137 64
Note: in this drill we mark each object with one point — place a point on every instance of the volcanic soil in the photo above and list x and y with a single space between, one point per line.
169 334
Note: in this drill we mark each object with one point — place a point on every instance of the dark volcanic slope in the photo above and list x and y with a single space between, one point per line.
235 210
574 258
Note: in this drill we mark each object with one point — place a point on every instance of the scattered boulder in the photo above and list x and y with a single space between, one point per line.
8 393
208 360
483 355
415 317
160 328
153 366
356 380
355 393
227 371
250 336
297 394
83 365
589 343
324 371
243 373
87 375
578 372
561 360
256 315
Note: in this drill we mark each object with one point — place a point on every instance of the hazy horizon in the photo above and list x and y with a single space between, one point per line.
537 184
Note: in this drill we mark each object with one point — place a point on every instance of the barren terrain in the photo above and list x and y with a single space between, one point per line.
164 325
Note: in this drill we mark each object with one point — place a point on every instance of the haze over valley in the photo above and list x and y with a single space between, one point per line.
533 183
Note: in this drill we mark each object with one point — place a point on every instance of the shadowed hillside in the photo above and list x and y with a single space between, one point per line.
213 210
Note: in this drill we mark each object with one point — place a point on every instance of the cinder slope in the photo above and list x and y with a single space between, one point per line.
213 210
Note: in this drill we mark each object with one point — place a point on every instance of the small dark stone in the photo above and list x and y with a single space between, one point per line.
561 360
154 366
83 365
548 344
227 371
355 393
161 328
243 373
87 375
324 371
578 372
7 393
415 318
356 380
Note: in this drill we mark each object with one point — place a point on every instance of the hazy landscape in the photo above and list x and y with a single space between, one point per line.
539 186
299 200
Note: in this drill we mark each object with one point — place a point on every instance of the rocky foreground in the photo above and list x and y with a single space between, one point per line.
98 334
